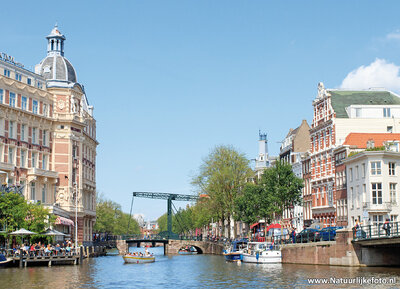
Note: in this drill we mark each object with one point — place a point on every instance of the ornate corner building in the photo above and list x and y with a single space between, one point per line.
48 137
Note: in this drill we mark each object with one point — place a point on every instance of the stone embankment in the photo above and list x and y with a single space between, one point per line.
342 252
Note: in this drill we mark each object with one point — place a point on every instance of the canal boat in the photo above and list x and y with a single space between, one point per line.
4 261
135 259
188 250
235 250
261 252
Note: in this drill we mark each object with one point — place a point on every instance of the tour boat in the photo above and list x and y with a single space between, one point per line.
187 250
234 253
261 252
133 259
4 261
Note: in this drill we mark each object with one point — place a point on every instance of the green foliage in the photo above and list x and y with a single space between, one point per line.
16 213
222 176
277 189
111 219
381 148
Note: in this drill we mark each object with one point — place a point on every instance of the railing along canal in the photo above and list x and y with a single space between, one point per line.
376 231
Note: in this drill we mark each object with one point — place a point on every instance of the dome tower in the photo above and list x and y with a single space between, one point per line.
57 70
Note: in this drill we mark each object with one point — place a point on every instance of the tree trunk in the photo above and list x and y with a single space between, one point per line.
229 226
223 226
234 229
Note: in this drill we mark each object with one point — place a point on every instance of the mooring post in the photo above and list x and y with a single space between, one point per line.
20 261
49 263
80 255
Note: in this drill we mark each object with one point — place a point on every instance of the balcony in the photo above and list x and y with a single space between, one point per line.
384 207
42 173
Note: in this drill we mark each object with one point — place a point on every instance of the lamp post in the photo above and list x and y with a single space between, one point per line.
76 216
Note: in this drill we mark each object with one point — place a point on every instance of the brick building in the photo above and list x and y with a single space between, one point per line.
336 114
48 137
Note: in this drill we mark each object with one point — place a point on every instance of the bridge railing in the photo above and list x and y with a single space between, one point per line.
377 230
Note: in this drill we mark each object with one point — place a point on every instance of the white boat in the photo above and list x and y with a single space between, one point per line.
134 259
261 252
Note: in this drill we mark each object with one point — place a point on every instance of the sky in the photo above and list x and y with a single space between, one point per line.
171 80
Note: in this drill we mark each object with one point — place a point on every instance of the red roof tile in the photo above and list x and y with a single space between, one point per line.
360 139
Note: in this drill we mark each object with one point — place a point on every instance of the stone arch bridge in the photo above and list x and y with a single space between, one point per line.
173 246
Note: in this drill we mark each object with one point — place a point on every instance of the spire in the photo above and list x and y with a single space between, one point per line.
55 45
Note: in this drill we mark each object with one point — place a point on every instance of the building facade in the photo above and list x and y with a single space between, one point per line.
373 177
293 148
336 114
48 137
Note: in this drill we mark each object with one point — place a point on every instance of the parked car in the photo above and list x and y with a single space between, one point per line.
328 233
307 235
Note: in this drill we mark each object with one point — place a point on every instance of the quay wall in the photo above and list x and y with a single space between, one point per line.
341 252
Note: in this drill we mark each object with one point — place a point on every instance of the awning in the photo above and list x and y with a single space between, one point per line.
252 226
64 221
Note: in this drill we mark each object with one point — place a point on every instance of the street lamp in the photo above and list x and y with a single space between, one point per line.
75 184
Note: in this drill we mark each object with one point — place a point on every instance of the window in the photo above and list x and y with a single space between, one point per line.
377 219
393 195
44 138
386 112
33 160
29 81
358 112
351 197
1 95
363 170
39 85
23 158
358 196
11 129
44 193
376 193
45 110
12 99
364 193
357 174
35 106
10 155
351 174
23 102
389 129
18 76
7 72
33 191
376 168
23 131
392 167
393 218
44 162
34 135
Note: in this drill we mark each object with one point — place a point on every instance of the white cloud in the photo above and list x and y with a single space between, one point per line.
378 74
393 35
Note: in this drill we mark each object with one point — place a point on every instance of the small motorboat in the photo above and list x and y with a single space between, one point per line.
235 250
188 250
136 259
4 261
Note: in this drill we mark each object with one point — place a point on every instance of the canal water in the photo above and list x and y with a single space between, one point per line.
186 271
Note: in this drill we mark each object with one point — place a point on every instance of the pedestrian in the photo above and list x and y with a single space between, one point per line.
293 235
386 226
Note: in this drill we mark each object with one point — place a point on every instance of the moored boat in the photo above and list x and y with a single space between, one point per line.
4 261
261 252
135 259
187 251
235 250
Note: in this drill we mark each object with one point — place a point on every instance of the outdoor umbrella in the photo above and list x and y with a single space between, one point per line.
22 232
52 232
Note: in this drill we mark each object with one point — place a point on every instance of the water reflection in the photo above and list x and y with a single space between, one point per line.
181 271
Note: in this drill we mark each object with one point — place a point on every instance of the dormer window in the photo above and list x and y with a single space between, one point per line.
358 112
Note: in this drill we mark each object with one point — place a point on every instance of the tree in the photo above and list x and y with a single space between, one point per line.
282 187
13 209
221 176
111 219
